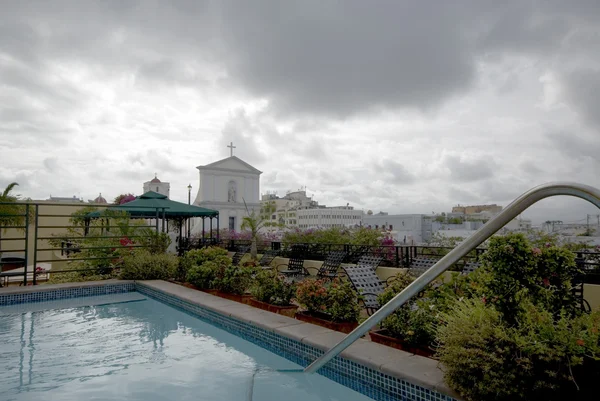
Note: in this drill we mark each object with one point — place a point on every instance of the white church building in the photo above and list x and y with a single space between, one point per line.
156 185
224 186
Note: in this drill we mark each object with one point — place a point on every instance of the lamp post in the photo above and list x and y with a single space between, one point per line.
189 203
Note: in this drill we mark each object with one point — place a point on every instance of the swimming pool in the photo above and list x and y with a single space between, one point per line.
131 347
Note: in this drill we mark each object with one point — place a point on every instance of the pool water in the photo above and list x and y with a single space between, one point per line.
141 349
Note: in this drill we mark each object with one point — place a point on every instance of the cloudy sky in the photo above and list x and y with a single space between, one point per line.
401 106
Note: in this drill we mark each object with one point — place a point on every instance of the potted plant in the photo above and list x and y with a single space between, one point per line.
413 326
332 304
197 257
272 292
233 281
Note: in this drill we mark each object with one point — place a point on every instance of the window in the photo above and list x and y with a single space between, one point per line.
232 223
156 189
391 227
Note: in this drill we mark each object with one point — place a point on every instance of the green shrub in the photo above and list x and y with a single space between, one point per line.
543 358
546 273
233 279
343 303
143 265
197 257
414 322
272 288
202 276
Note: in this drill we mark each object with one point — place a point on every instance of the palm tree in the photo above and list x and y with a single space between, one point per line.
254 222
11 214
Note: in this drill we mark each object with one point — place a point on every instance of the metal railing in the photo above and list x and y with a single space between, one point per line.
517 207
39 233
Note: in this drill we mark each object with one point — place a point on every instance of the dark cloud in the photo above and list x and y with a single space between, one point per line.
245 135
576 146
324 59
582 88
469 170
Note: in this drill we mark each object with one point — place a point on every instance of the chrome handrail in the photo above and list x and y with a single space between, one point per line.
530 197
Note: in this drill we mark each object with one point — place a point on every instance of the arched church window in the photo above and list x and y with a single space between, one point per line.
232 191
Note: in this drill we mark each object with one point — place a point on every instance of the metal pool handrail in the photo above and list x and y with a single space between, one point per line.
530 197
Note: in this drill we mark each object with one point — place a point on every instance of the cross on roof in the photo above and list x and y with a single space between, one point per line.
231 147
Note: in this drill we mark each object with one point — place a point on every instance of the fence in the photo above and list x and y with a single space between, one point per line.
35 236
404 255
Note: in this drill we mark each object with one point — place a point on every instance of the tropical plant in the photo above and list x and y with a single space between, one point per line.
254 222
11 213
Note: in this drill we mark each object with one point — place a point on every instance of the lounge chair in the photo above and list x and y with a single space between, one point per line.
331 265
368 284
239 254
470 267
267 258
420 266
295 265
370 261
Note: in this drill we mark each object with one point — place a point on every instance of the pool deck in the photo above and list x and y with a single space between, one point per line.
416 369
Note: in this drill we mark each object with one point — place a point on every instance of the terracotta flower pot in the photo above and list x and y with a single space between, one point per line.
282 310
321 320
383 337
244 299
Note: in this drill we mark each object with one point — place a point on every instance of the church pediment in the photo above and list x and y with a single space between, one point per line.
233 164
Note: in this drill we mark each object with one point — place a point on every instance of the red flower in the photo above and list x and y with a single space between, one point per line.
580 342
546 282
484 300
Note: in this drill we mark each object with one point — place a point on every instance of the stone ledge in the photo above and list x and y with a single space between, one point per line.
415 369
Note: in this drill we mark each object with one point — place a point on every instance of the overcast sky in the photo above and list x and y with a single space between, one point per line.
401 106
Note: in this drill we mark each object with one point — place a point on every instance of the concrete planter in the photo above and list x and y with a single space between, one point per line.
321 320
289 311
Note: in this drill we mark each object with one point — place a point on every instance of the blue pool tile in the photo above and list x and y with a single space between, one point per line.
362 379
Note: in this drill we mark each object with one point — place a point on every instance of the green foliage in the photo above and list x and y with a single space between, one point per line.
334 298
197 257
516 268
11 213
516 333
154 242
202 276
343 303
335 235
414 321
543 357
143 265
75 276
272 288
234 279
312 295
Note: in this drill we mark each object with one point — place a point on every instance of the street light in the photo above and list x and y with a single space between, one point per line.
189 194
189 223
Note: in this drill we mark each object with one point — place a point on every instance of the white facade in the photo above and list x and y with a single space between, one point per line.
328 217
156 185
224 186
410 229
296 209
